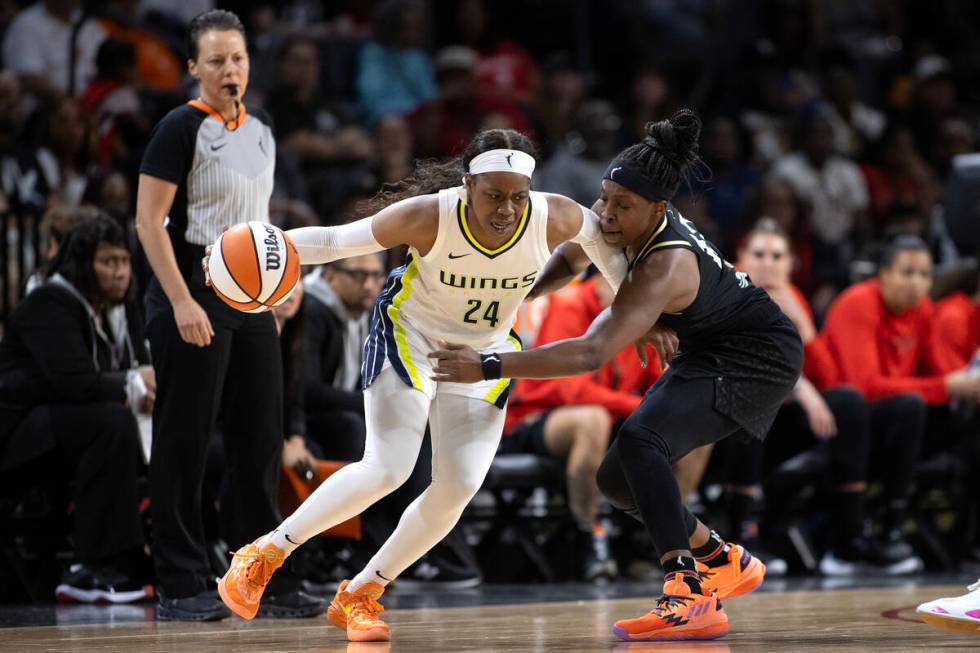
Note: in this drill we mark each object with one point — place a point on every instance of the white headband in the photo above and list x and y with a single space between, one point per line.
503 161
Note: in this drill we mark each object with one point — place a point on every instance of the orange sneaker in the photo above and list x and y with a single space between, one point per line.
251 568
742 573
358 613
679 615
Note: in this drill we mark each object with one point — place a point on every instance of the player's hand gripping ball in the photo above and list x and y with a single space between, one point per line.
253 266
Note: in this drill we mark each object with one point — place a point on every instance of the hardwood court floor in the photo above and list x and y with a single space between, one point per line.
840 621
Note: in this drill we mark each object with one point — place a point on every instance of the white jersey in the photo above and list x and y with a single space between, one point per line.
460 292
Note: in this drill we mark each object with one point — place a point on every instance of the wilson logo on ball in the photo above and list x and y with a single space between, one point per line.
253 266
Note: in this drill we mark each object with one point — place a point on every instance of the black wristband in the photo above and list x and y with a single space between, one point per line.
491 366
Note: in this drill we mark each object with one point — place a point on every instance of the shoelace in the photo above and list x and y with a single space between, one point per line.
975 586
258 565
367 605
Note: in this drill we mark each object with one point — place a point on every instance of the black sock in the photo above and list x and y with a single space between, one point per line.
850 516
712 552
687 568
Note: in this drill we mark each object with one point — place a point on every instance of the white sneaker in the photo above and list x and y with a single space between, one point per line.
959 614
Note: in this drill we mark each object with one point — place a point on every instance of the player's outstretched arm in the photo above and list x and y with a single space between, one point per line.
666 280
413 222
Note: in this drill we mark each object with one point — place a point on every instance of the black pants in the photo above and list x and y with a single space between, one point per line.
898 429
675 417
238 376
339 434
96 447
791 434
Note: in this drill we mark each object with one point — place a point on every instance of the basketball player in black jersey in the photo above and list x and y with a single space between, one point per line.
738 359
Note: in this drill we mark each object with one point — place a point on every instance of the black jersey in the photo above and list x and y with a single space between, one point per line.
732 331
726 302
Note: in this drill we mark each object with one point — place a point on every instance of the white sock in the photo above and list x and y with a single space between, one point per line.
281 538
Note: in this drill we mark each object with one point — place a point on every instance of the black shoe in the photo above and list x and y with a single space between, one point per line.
87 584
600 566
206 606
291 605
899 557
432 573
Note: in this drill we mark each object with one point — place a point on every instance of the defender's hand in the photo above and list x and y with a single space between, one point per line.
459 363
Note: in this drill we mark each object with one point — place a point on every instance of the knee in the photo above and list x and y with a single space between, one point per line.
909 407
595 425
611 481
118 424
453 495
634 440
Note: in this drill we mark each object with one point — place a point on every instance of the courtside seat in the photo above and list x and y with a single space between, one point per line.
511 481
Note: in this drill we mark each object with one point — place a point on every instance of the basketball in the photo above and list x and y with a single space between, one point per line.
253 266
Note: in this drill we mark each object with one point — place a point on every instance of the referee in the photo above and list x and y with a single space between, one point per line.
209 164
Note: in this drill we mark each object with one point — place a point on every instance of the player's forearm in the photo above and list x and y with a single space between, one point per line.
557 359
317 245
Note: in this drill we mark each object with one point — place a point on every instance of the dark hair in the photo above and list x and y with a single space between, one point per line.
669 149
767 227
212 20
899 244
76 255
292 41
388 19
432 175
113 58
60 220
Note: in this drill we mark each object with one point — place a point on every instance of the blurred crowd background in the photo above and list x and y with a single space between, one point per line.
845 125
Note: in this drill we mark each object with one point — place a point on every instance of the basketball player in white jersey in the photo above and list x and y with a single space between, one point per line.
475 251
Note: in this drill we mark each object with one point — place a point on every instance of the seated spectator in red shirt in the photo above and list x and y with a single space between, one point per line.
572 418
878 332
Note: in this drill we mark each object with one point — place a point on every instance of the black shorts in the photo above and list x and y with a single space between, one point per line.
526 437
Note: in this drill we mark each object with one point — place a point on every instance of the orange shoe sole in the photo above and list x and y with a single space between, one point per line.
243 611
951 625
370 635
712 631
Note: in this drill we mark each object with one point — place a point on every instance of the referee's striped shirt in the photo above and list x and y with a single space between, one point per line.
223 172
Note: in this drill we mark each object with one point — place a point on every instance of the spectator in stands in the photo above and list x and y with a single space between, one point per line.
855 124
835 188
934 99
822 413
337 311
291 326
37 47
572 418
503 67
395 149
776 199
306 124
21 187
444 125
112 101
64 151
898 176
394 74
878 333
653 98
71 377
584 154
560 96
57 223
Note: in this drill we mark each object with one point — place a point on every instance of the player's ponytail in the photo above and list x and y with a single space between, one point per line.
666 153
432 175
